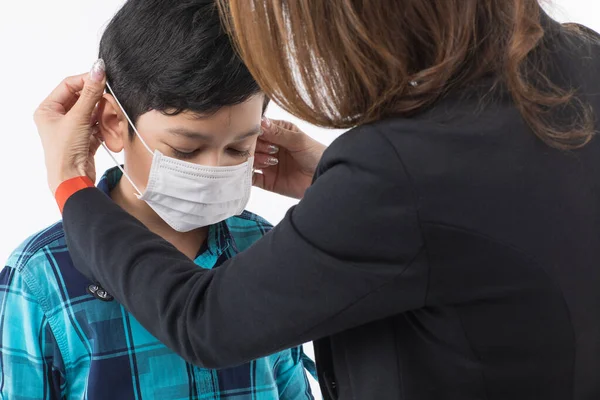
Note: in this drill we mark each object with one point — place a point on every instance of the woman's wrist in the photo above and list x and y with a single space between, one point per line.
69 187
65 174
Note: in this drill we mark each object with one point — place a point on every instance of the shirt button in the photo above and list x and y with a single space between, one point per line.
103 295
92 289
99 293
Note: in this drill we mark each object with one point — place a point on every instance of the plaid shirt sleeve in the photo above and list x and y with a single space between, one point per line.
291 376
30 363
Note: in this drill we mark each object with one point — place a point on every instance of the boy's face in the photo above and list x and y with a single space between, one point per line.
225 138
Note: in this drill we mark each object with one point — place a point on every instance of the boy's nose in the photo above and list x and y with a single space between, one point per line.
210 158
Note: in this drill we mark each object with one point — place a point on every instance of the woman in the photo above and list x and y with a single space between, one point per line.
448 246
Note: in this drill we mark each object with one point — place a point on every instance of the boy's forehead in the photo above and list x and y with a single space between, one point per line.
253 107
240 121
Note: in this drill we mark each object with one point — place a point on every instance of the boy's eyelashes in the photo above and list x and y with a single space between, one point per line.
183 154
239 153
186 155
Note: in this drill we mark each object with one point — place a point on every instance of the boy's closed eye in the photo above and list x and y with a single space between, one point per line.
189 154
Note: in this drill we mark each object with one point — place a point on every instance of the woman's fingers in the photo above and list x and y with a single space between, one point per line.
67 91
68 127
95 115
62 98
91 93
265 155
80 91
283 134
264 160
265 147
95 140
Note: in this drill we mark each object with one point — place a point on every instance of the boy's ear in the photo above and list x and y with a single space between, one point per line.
113 125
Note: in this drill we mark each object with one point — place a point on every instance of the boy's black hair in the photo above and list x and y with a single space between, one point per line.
173 56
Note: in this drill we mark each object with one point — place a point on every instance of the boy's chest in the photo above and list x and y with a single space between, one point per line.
113 357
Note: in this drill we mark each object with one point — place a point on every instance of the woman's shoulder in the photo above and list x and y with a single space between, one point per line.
365 147
382 143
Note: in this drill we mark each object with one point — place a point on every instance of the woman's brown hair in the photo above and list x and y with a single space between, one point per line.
342 63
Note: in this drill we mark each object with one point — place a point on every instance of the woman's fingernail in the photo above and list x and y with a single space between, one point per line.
272 149
98 71
272 161
266 122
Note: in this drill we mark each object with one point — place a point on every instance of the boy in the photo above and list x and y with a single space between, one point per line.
195 116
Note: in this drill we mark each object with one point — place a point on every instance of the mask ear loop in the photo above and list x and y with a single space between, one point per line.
128 119
249 180
139 192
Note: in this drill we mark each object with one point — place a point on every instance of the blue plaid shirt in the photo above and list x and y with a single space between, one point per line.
59 342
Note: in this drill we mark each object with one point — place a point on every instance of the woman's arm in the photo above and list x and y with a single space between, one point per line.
349 253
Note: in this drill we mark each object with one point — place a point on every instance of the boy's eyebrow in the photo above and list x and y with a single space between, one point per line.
208 138
255 131
189 134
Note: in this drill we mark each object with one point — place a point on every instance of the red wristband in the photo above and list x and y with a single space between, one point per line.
69 188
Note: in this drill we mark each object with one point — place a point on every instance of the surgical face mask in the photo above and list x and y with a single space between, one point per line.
188 196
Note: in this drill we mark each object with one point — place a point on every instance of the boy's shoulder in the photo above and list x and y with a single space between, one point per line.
247 228
44 264
252 220
36 247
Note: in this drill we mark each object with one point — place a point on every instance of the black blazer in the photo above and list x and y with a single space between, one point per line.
449 256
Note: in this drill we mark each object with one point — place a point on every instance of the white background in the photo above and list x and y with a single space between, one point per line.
43 41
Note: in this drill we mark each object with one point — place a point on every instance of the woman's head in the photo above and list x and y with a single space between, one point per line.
341 63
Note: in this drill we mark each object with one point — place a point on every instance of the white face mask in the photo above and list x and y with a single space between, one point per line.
188 196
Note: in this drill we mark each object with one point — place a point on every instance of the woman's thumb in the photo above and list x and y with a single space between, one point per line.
91 93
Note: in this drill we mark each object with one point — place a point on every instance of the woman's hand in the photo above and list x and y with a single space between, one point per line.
66 123
287 159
